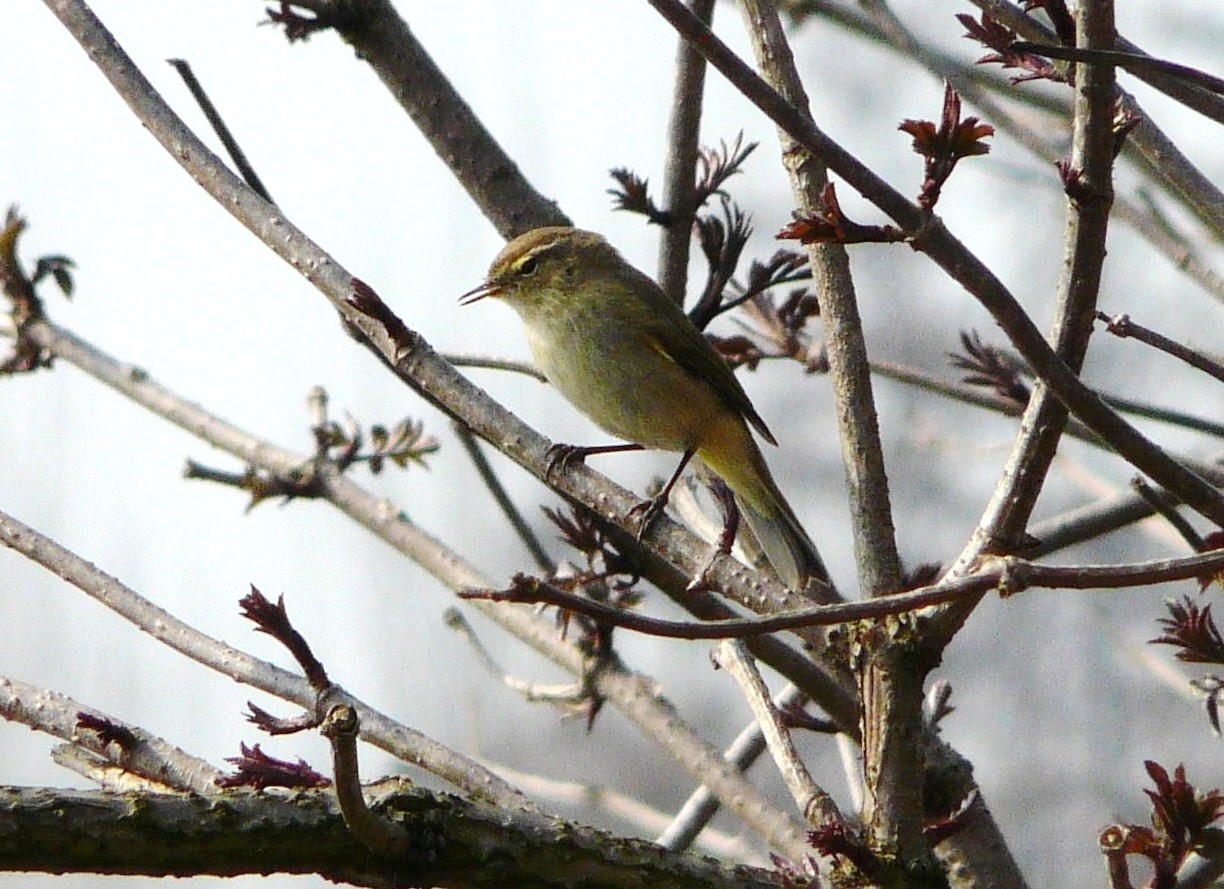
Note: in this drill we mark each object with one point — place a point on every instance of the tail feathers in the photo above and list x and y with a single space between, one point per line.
733 455
787 546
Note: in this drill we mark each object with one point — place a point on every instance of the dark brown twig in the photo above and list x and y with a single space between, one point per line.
1129 61
1122 327
1009 575
273 619
526 535
237 155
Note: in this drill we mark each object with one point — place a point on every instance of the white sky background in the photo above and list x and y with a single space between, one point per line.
1055 708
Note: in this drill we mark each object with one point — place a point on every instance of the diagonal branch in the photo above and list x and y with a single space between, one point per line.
634 695
412 358
383 40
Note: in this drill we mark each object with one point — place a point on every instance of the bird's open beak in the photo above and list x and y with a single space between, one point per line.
488 288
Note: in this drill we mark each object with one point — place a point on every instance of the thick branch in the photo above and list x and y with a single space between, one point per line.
456 843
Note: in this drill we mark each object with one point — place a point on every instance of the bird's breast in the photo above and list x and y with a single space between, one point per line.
623 379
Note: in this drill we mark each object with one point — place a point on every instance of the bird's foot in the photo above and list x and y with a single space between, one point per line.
559 457
700 582
726 537
647 511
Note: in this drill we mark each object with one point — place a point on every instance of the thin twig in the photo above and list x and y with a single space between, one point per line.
520 367
1007 574
566 694
1136 63
1163 414
1168 511
614 806
471 446
978 396
237 155
1122 327
110 777
1087 523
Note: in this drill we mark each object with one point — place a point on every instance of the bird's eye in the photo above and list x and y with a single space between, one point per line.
528 266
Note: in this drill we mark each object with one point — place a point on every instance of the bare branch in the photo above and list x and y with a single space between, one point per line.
242 667
383 40
816 805
456 842
680 164
1087 222
145 754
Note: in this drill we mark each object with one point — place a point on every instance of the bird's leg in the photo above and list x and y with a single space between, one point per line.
726 537
650 509
560 456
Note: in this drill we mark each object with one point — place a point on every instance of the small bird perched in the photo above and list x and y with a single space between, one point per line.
628 357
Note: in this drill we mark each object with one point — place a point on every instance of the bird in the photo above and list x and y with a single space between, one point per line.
628 357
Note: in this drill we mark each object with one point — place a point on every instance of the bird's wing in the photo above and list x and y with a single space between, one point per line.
678 339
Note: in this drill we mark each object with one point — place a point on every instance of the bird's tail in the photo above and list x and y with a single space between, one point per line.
787 546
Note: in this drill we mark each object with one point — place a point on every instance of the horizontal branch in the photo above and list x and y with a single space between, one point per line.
1009 575
457 843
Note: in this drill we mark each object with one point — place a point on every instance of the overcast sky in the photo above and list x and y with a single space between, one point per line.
1057 708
